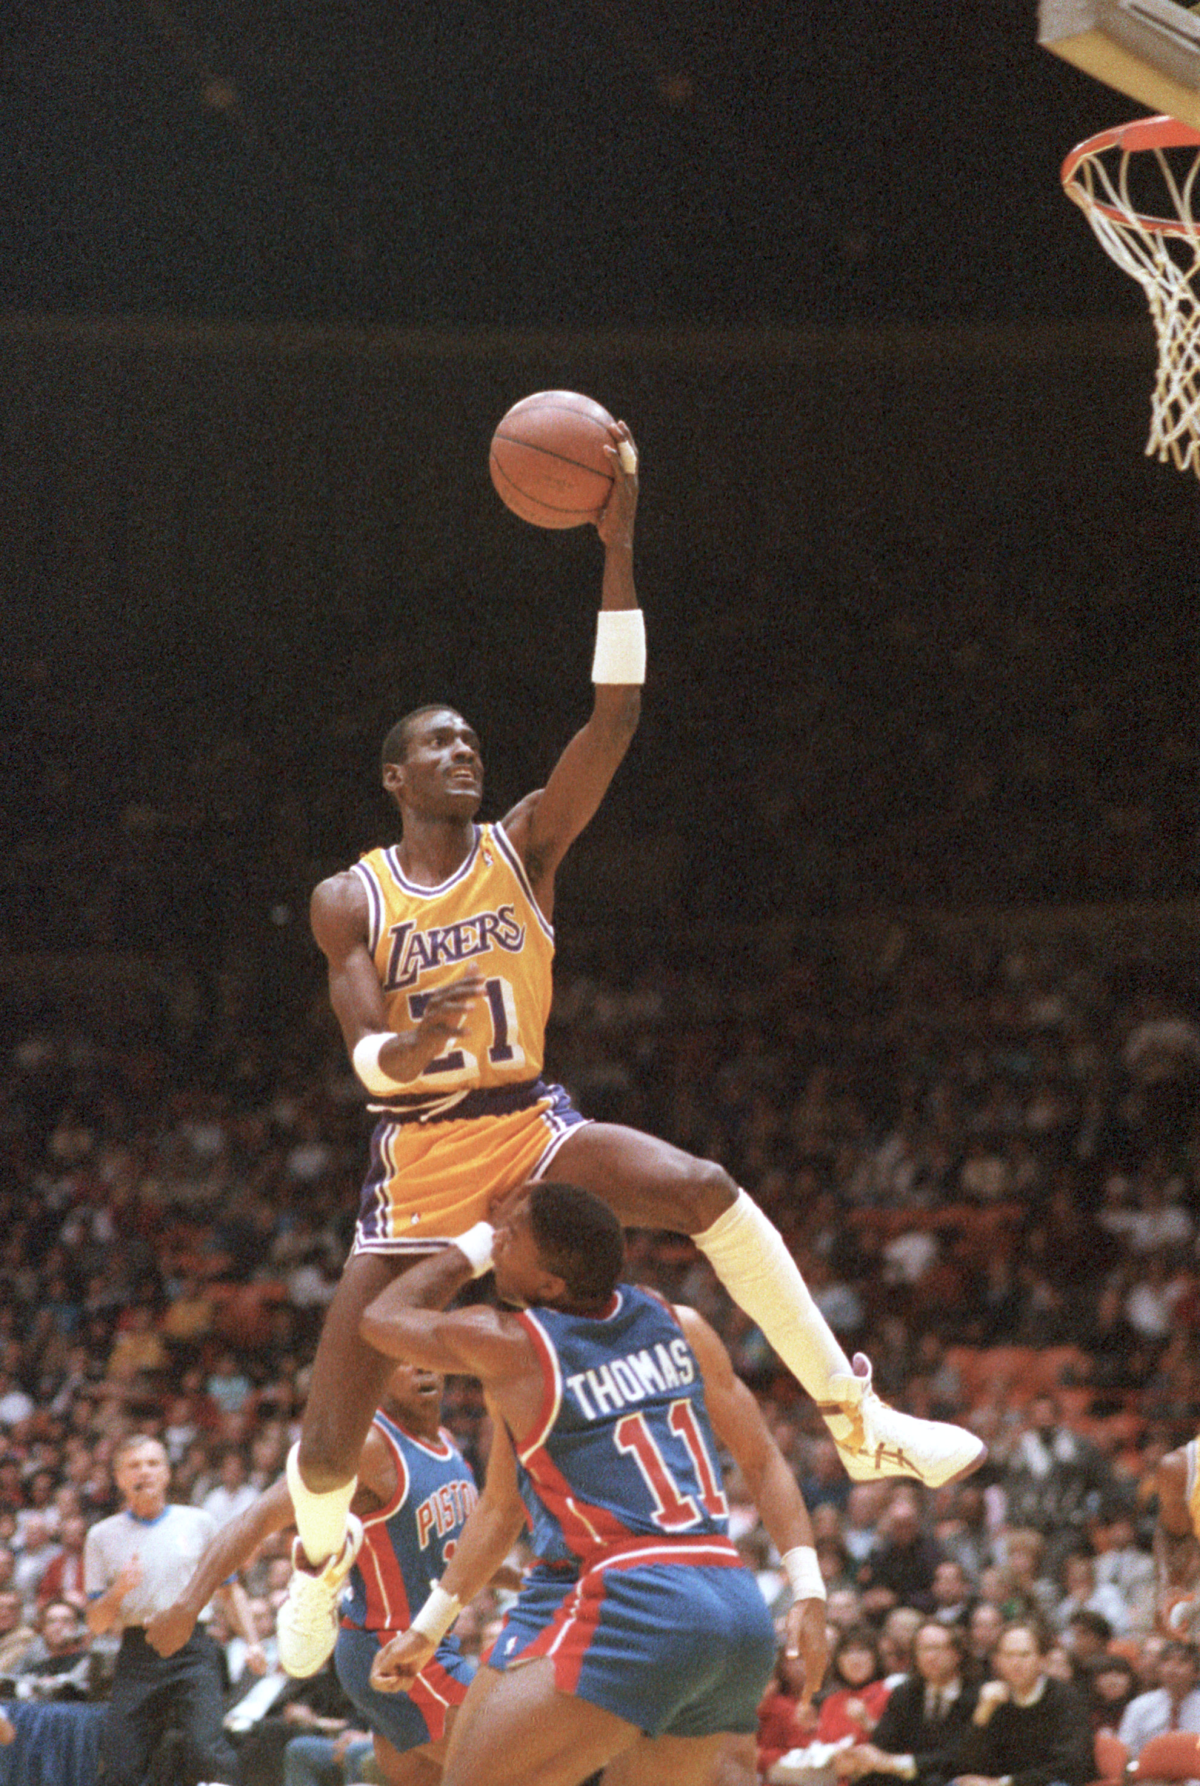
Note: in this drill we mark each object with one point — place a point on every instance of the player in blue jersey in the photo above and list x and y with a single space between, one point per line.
610 1401
439 951
415 1493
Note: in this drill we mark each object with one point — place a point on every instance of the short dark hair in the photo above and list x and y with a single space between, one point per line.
861 1637
395 745
1179 1646
1111 1662
1093 1622
579 1239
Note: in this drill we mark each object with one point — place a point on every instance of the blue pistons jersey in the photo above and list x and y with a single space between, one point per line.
622 1447
407 1544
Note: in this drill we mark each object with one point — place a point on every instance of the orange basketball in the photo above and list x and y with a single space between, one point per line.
548 461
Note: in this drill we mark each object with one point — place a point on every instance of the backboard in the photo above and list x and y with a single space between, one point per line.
1147 49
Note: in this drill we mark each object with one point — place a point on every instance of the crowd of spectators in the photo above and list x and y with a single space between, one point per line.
982 1151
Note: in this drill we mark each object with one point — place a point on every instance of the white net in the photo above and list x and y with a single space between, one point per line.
1137 186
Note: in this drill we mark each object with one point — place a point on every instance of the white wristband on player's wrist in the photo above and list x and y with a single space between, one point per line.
476 1243
620 646
437 1615
804 1572
366 1062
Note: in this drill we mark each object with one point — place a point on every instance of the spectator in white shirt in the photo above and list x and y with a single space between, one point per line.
34 1555
1174 1705
1084 1594
15 1405
233 1492
236 1649
1125 1566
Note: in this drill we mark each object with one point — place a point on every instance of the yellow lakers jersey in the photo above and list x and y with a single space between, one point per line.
485 918
1193 1483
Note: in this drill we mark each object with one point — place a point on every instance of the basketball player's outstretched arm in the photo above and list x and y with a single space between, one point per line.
233 1545
543 826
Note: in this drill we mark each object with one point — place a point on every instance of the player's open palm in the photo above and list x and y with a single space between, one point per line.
399 1662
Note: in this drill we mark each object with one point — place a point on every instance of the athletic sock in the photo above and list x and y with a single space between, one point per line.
320 1519
748 1254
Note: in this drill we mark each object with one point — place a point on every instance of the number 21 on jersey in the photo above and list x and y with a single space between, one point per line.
505 1047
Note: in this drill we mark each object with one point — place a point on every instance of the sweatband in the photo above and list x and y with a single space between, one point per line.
620 646
804 1572
476 1243
366 1062
438 1613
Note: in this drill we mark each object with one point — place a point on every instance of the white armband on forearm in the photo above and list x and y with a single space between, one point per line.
620 646
476 1243
437 1615
366 1062
804 1572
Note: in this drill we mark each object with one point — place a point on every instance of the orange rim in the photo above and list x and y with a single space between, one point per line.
1160 132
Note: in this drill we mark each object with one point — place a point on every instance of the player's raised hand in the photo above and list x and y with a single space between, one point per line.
614 523
399 1662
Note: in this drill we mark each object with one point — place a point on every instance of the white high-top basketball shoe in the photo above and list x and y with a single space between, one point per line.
875 1440
306 1627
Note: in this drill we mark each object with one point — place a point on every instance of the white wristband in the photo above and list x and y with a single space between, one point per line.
437 1615
620 646
476 1243
804 1572
366 1062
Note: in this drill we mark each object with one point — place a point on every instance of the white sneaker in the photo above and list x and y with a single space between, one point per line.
874 1440
306 1627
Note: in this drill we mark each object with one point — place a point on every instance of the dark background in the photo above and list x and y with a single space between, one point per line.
586 162
923 618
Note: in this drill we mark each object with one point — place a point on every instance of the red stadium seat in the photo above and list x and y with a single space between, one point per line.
1175 1755
1111 1756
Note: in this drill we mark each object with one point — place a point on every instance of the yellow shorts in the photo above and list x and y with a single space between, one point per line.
433 1175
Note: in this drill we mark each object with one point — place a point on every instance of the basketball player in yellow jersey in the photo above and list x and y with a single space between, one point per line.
1177 1540
439 952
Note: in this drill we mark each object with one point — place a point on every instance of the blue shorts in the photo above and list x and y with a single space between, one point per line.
543 1591
675 1648
406 1719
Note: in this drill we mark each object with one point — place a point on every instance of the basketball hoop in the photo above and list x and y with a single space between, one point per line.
1137 186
